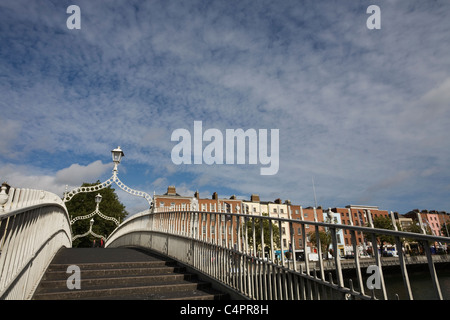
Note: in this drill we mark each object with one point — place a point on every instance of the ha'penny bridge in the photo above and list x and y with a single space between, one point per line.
185 253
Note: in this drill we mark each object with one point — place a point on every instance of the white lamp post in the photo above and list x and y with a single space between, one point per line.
117 155
98 199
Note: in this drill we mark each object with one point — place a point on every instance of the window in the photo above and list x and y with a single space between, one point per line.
161 204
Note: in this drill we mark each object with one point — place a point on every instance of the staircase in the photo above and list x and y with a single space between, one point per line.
121 273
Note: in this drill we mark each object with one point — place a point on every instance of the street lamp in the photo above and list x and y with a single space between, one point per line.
117 155
98 199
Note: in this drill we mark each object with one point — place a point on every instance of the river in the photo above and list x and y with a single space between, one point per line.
421 284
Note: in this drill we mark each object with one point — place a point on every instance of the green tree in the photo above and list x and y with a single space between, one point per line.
445 229
84 203
325 240
324 236
266 232
382 222
415 228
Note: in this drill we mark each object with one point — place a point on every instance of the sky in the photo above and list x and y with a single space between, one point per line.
365 113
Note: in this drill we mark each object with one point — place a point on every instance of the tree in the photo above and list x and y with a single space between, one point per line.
415 228
84 203
266 231
382 222
445 229
324 236
325 240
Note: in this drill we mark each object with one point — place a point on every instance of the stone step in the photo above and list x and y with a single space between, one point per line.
126 274
118 292
90 273
112 265
118 281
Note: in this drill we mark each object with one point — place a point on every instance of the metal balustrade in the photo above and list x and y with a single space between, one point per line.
218 245
34 225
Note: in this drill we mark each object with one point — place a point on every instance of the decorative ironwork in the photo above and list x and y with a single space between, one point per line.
98 199
89 232
95 212
117 155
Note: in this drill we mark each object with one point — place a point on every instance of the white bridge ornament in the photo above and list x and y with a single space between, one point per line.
96 211
117 155
89 232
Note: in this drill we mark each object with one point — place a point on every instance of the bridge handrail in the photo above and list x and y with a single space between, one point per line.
34 225
158 229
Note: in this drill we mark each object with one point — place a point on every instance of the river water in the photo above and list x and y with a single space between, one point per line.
421 285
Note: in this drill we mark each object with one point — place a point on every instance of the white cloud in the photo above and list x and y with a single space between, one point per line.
354 107
20 176
76 174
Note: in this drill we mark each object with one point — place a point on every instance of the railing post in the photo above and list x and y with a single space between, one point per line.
337 260
403 268
378 262
434 277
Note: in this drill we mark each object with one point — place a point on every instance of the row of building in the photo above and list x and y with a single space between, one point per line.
357 215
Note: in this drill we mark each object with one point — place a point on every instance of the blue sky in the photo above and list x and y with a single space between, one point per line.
364 112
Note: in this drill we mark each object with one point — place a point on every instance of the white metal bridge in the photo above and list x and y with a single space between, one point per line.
35 224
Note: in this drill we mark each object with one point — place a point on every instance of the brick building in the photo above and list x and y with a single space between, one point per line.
358 215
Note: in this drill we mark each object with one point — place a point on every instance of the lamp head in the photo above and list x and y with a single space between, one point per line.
117 155
98 198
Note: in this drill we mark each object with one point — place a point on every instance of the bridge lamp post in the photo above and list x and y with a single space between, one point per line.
98 199
117 155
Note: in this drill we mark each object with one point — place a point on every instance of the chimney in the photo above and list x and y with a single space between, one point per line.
197 195
215 196
278 201
254 198
171 190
